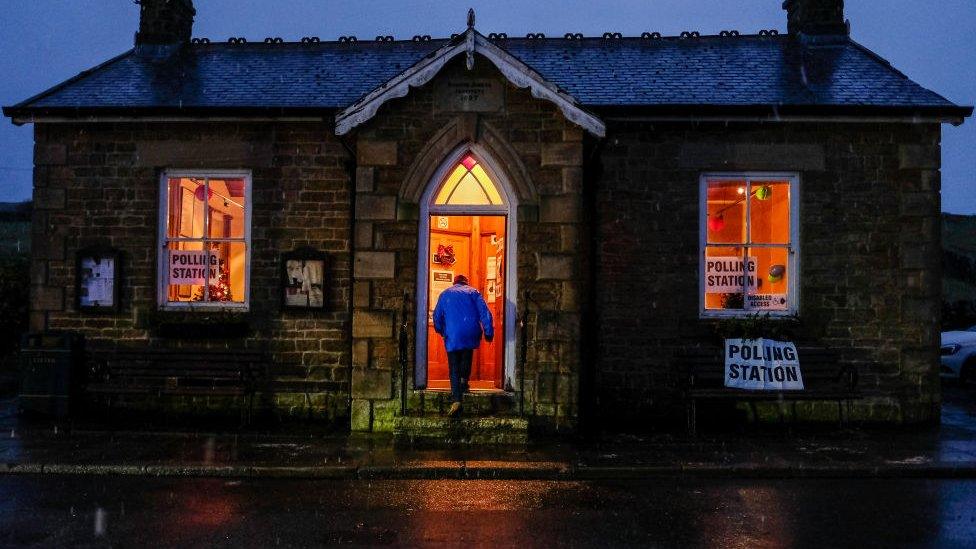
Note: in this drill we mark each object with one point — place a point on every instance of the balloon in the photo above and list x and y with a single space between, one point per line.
776 273
764 192
716 223
199 193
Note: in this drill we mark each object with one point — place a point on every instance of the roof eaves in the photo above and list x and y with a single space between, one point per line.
949 113
887 64
32 114
76 78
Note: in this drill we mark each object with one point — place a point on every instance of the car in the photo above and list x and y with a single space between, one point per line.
958 354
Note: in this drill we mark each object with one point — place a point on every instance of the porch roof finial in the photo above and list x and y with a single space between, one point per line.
470 18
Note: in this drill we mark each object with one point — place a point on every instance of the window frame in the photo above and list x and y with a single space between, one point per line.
793 247
440 177
163 240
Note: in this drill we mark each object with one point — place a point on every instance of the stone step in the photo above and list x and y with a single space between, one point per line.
476 403
464 430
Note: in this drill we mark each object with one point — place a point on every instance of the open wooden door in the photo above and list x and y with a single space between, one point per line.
475 247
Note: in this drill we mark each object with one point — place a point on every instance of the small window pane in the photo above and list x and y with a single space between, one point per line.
727 274
487 184
450 183
226 208
772 276
228 285
726 212
186 208
770 212
185 270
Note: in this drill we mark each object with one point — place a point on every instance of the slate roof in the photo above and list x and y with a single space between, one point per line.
715 71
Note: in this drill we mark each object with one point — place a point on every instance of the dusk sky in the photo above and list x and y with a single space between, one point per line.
44 42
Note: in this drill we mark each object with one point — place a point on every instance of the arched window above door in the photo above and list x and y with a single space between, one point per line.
468 184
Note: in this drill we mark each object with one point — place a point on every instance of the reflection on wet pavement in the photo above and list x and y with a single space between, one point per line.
68 510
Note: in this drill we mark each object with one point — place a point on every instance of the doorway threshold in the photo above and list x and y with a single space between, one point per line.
446 390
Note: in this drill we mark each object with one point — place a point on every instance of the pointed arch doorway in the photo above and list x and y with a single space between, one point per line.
468 226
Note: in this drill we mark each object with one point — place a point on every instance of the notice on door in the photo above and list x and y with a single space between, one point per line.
439 281
762 365
726 275
193 266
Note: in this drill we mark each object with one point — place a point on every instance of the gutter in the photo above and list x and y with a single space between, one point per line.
21 116
950 114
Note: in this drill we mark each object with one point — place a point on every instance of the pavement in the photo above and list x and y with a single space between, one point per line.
946 451
128 511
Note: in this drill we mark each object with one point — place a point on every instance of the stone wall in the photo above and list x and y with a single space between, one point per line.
869 253
397 153
98 184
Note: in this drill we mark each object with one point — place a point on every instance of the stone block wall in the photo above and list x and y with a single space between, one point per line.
98 184
869 256
543 154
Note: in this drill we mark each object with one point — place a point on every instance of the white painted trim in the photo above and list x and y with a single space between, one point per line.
161 290
517 72
793 260
510 211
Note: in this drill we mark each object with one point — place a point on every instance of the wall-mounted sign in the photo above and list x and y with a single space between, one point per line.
762 365
303 279
193 267
726 275
469 95
97 280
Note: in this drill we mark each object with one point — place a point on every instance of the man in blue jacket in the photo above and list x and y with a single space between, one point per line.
459 317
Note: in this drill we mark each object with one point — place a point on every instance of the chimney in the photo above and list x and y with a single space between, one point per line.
815 17
165 22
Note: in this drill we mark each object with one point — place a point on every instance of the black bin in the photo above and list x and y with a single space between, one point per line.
51 372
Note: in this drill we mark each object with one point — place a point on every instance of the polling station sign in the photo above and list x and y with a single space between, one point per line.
725 275
762 365
193 266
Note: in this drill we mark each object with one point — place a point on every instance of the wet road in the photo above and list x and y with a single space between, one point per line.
98 511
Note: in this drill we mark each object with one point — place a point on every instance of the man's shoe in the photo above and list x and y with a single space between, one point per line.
455 410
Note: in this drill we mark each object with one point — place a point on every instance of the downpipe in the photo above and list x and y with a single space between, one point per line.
403 349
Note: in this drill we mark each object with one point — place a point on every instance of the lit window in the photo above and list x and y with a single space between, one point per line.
749 242
205 240
468 185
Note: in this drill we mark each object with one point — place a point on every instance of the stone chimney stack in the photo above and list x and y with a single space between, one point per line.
165 22
815 17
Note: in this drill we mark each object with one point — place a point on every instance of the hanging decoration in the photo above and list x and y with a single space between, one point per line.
716 223
199 192
445 255
776 273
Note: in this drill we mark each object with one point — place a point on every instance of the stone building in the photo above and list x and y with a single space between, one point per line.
615 199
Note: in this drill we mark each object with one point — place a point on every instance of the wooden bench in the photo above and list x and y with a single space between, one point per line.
179 372
824 378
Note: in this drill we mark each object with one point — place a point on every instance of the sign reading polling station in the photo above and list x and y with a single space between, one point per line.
762 365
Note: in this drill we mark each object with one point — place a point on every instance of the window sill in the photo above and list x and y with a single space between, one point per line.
720 315
201 323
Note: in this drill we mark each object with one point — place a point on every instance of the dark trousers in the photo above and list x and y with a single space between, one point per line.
459 369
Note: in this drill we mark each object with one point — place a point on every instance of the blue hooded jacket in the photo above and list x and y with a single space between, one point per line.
459 317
